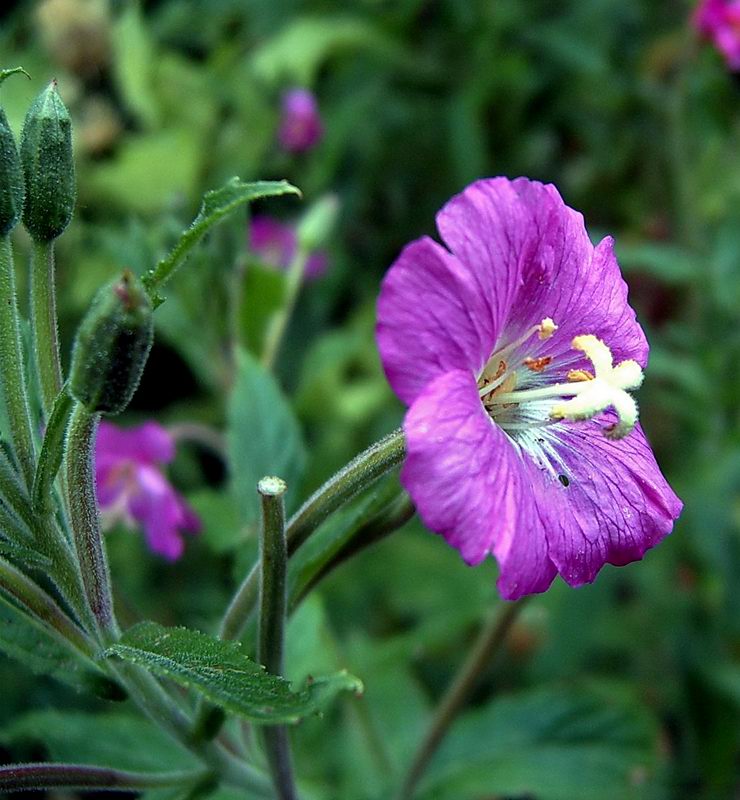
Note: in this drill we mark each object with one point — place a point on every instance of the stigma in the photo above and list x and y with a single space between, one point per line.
585 394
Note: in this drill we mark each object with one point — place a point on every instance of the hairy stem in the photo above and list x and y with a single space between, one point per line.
29 777
360 473
12 370
273 605
44 323
486 647
88 539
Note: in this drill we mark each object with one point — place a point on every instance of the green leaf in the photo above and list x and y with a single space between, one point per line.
263 436
217 204
24 641
221 672
552 744
667 262
52 451
117 739
297 52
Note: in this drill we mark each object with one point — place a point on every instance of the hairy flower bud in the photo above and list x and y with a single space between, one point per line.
48 166
112 346
11 174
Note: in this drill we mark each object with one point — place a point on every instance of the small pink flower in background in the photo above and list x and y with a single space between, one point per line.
719 20
515 349
132 488
300 124
275 244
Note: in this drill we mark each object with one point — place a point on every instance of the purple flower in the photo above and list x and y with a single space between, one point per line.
300 124
275 243
132 489
719 20
515 350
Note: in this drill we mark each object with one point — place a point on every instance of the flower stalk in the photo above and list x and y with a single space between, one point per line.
44 323
12 370
360 473
84 517
487 646
273 609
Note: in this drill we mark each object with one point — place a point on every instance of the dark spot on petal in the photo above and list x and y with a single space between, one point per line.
564 479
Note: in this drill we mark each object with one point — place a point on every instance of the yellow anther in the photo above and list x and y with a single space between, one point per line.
546 328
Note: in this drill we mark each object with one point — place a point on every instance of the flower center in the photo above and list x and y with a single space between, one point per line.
540 403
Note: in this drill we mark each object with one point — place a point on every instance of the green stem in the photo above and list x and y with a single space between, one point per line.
277 328
486 647
39 604
358 474
273 605
44 323
88 539
388 520
27 777
12 369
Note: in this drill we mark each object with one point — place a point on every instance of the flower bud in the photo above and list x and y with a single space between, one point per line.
11 179
48 166
112 346
11 174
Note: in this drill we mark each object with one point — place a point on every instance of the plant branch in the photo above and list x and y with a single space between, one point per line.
486 647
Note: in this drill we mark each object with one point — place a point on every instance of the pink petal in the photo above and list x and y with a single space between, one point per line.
466 480
430 319
146 444
616 506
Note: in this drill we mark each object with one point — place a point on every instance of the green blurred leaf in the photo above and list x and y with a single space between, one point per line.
217 204
668 262
223 529
221 672
121 740
552 744
28 643
149 170
134 64
298 51
263 436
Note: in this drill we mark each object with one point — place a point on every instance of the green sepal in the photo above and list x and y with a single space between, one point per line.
48 166
112 346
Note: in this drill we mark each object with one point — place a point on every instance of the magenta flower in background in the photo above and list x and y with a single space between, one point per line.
515 350
275 243
132 488
719 20
300 124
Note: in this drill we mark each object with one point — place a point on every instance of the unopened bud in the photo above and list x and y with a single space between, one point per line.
317 224
11 174
112 346
48 166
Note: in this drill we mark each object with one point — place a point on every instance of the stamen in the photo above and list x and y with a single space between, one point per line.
546 328
537 364
589 394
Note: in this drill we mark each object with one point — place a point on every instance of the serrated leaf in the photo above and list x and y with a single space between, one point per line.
263 436
221 672
217 204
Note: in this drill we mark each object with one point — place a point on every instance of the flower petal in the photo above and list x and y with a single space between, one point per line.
157 506
149 443
430 319
465 477
616 506
530 257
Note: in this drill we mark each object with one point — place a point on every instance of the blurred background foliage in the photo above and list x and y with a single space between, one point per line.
629 688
